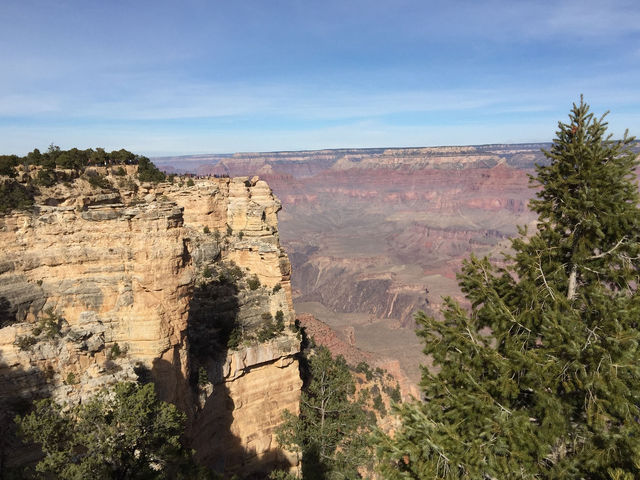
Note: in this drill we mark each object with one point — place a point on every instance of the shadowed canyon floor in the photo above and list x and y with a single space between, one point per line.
375 234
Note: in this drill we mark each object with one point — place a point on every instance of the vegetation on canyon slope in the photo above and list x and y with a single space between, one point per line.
541 379
126 433
331 433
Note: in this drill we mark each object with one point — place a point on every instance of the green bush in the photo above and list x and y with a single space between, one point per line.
395 394
123 432
46 178
72 159
270 329
230 273
363 367
98 181
253 282
365 394
235 271
50 325
121 156
8 164
128 183
190 182
15 196
206 230
148 172
71 379
296 328
280 321
235 337
120 172
331 432
276 288
26 342
203 377
206 273
115 351
378 404
266 333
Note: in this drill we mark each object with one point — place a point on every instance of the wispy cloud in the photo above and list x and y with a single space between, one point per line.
179 99
593 18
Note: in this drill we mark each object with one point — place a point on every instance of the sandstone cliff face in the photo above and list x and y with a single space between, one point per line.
98 286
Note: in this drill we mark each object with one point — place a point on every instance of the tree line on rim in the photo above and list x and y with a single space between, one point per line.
75 159
59 166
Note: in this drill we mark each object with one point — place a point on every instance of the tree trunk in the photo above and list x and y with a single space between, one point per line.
571 291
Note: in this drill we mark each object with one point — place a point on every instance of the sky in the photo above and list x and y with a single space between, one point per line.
196 76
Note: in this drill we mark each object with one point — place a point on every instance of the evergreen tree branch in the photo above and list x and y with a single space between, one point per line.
608 252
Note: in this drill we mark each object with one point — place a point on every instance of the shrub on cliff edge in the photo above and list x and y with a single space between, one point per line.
253 282
148 172
15 196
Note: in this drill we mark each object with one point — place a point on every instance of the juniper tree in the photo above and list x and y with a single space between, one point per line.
541 377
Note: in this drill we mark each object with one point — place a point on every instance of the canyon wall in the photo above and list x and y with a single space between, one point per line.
147 282
376 234
366 227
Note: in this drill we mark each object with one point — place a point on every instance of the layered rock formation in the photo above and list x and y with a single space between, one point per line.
376 234
99 285
364 227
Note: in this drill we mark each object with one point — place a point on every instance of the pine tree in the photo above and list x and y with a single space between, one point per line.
331 431
541 378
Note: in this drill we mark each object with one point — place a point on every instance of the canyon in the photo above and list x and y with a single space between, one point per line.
376 234
136 281
107 278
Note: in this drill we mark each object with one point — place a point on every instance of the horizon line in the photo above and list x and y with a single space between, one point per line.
346 149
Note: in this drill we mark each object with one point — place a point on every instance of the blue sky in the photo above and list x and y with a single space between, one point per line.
196 76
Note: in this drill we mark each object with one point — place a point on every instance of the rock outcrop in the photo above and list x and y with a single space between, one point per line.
147 281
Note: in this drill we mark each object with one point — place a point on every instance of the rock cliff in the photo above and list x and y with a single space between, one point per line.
178 283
